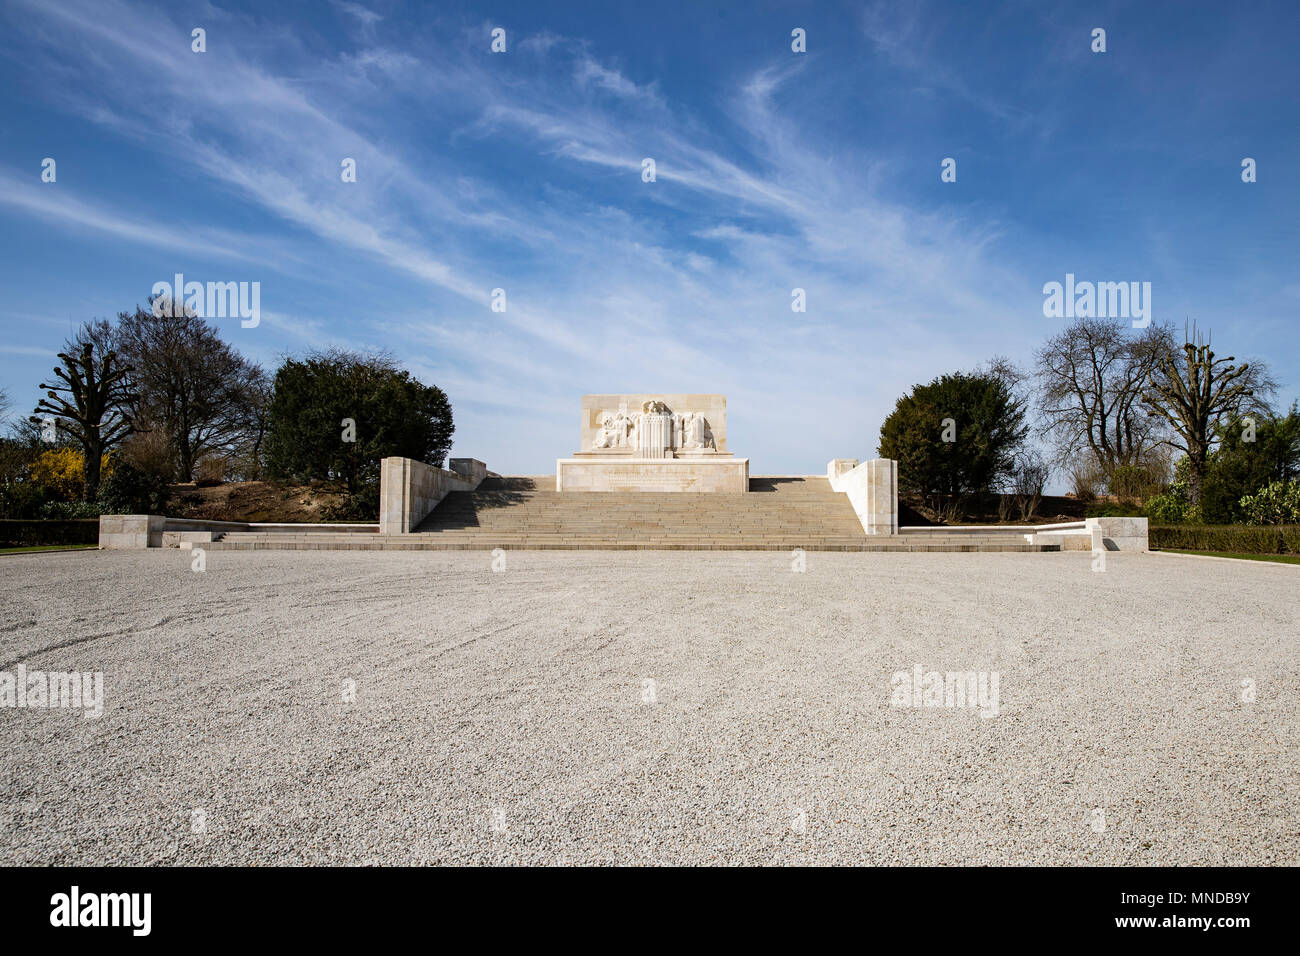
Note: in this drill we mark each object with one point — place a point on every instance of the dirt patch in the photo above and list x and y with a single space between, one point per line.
252 501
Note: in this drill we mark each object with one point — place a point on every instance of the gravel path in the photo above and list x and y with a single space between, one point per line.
501 717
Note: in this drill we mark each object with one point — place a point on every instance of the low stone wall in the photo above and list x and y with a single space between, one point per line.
131 532
187 532
409 489
722 474
1116 534
469 468
872 487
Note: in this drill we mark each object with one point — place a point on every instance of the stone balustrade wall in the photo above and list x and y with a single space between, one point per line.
872 487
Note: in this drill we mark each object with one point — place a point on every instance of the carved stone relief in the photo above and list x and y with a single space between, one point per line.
653 432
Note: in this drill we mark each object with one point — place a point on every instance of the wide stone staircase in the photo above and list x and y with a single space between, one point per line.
778 514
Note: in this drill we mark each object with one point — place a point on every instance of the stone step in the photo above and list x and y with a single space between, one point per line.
786 485
525 512
688 532
578 542
486 544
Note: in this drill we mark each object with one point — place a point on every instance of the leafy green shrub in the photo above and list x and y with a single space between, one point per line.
67 510
22 500
1276 503
1248 460
1173 505
130 491
363 506
1242 539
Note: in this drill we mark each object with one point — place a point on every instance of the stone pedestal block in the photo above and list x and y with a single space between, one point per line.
716 474
131 532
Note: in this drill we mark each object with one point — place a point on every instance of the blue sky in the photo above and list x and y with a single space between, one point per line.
775 170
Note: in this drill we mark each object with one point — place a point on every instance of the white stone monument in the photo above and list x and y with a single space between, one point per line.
653 443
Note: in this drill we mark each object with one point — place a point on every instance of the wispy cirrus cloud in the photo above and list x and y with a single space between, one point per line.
523 172
62 208
906 35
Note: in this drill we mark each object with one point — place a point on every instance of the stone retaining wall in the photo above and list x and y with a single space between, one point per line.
872 487
132 532
122 532
1117 534
410 489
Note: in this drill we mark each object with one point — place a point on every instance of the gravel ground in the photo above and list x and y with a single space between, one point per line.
500 717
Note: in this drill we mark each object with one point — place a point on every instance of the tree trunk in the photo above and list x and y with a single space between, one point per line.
187 459
183 446
1195 477
255 471
90 469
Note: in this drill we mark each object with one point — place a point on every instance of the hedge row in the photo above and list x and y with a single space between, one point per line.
1241 538
22 534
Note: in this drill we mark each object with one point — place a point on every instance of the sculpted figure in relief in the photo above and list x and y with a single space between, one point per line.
613 430
687 431
695 432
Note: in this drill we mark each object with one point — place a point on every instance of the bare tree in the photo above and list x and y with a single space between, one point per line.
196 387
1091 378
94 396
1196 393
1031 475
1016 378
250 453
